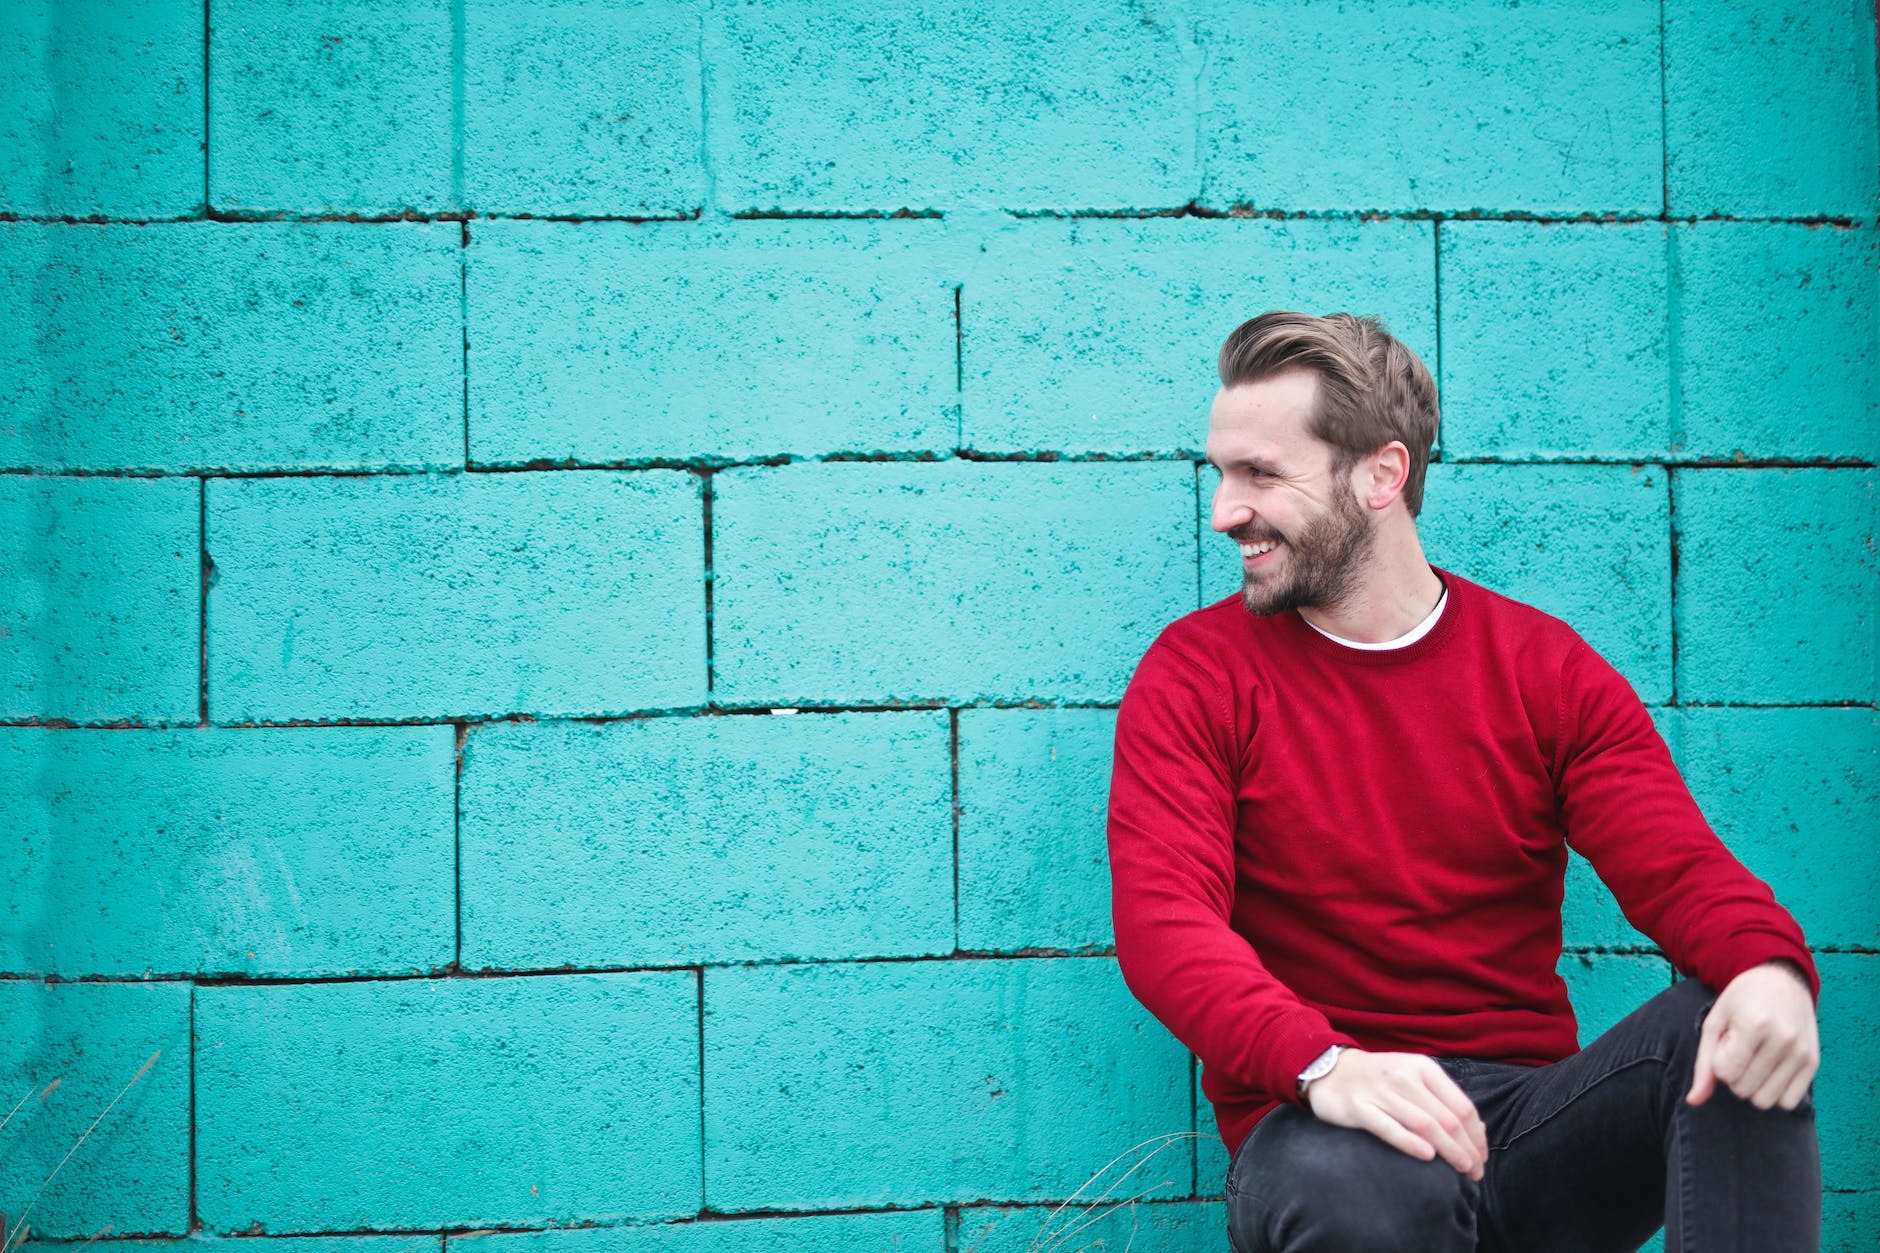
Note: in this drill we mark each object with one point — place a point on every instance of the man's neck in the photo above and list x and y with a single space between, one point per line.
1396 591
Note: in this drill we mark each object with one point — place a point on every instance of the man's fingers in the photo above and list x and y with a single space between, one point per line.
1703 1073
1457 1102
1393 1133
1766 1094
1432 1124
1798 1086
1762 1058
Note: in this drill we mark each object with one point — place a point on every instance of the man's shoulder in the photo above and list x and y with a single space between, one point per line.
1510 621
1212 631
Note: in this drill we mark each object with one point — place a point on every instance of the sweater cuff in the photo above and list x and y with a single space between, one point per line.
1297 1052
1745 952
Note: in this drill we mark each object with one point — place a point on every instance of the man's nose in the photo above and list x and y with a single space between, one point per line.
1225 514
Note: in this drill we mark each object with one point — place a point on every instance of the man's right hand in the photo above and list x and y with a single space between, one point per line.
1405 1100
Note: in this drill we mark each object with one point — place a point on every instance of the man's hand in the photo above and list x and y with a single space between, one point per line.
1759 1038
1405 1100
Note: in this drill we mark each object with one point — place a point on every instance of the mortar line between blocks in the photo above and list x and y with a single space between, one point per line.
953 755
1671 592
1664 132
1436 263
202 601
701 1088
959 367
463 325
707 496
205 106
461 733
195 1216
1194 1125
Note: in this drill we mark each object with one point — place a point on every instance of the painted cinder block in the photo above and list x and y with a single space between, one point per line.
1778 326
900 1231
447 1102
1555 340
1847 1089
904 1083
608 342
973 103
667 841
70 1050
1850 1222
1152 1225
1033 863
1769 108
582 107
219 346
953 580
202 1242
1103 335
1589 544
1462 105
1776 585
1605 987
101 110
466 595
331 106
279 851
100 600
1794 792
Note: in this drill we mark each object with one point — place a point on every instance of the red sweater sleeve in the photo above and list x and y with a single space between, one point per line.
1171 843
1627 810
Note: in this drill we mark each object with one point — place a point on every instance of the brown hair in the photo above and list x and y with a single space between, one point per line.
1372 389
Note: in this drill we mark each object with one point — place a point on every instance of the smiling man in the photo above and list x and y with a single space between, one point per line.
1339 819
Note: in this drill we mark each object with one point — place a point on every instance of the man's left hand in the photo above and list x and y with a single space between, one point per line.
1760 1039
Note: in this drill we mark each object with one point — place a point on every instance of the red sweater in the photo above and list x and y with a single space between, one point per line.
1312 844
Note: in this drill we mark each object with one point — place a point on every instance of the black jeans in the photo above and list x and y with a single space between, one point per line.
1591 1153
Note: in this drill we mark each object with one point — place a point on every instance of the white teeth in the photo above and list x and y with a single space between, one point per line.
1254 550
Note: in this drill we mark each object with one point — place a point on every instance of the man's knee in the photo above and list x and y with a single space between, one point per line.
1326 1187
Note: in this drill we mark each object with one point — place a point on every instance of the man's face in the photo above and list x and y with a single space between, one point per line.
1281 497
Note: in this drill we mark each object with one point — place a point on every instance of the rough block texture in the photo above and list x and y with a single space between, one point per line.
1605 987
1097 336
1794 792
583 107
100 601
1554 340
439 1102
476 595
836 1086
1150 1226
1779 340
1033 863
909 105
1454 106
1777 585
1769 108
331 106
905 1231
70 1050
287 851
1847 1090
218 346
955 580
101 109
674 840
613 342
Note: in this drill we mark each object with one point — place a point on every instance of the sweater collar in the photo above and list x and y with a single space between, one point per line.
1457 605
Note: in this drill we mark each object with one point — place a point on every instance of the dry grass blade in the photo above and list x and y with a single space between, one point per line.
18 1237
1044 1243
3 1127
1128 1202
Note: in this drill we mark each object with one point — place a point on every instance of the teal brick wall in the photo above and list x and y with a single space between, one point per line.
566 568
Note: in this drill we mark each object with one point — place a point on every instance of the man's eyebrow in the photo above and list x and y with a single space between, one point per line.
1252 463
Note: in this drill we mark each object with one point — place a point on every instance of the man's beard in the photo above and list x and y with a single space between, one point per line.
1323 560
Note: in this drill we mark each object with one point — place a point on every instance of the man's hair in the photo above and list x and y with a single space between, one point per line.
1372 389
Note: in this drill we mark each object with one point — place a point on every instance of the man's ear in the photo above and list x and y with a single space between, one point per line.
1388 471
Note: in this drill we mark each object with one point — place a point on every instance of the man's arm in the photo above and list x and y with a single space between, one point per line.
1627 810
1171 845
1171 837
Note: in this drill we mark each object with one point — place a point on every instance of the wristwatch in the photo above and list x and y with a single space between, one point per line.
1319 1067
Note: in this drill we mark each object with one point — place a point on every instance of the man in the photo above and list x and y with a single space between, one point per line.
1339 820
